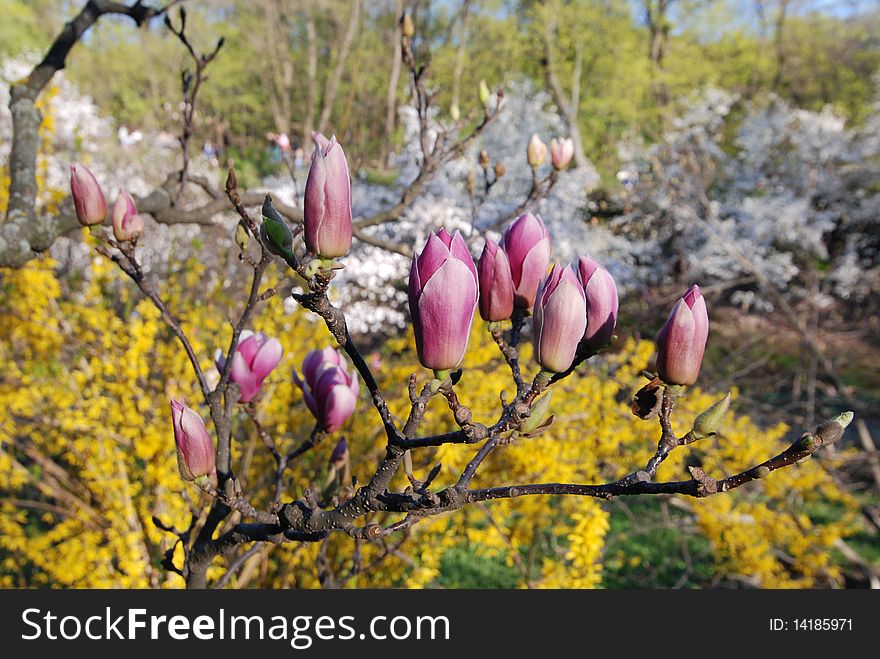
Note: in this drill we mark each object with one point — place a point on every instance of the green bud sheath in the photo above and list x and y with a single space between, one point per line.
538 413
709 421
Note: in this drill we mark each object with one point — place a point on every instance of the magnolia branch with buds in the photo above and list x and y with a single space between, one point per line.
306 520
572 312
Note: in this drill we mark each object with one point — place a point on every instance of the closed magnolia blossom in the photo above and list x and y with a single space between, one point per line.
88 198
195 450
329 388
682 340
601 295
560 319
536 152
127 224
255 357
561 152
527 245
496 284
443 295
327 202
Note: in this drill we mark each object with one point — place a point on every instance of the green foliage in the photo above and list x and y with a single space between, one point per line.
464 567
260 81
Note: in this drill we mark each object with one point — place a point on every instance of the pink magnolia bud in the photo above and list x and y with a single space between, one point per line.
561 152
536 152
560 319
88 198
682 340
327 205
339 456
601 295
443 293
527 245
329 389
127 224
496 284
255 357
195 450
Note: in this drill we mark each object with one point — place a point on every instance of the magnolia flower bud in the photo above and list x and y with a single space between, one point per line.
274 230
88 198
485 94
561 152
560 319
496 284
527 245
329 388
127 224
242 237
443 294
195 450
832 430
536 152
255 357
601 294
682 340
537 414
339 456
327 202
708 421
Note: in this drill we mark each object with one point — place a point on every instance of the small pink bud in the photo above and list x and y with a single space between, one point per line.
127 224
527 245
327 202
88 198
561 152
443 295
339 456
195 450
560 319
682 340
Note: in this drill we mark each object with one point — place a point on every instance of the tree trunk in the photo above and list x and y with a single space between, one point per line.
658 31
332 87
460 52
569 112
393 84
311 78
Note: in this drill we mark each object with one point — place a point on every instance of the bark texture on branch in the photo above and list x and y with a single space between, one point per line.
23 232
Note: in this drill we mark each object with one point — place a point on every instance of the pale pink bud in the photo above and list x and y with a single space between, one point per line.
682 340
88 198
527 245
536 152
327 202
560 319
443 295
127 224
561 152
195 450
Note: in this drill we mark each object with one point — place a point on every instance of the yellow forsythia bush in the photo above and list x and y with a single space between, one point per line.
87 456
